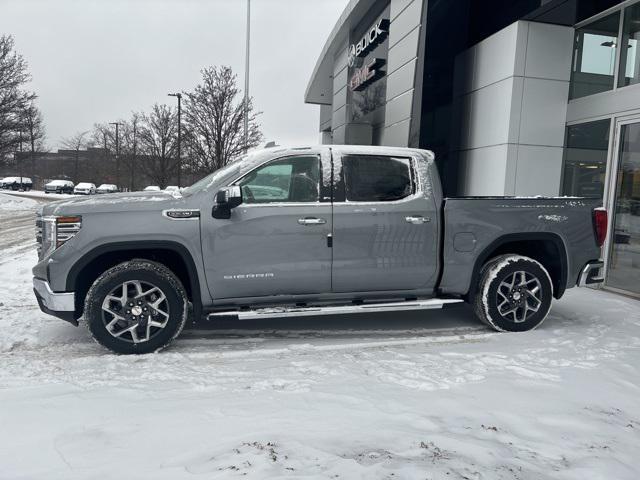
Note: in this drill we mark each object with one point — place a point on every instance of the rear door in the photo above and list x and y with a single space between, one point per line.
384 226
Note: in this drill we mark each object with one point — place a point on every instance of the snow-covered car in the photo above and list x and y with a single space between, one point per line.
16 183
378 237
59 186
107 188
85 188
172 189
152 188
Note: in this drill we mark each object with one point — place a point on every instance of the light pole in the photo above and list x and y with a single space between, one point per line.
117 124
135 144
20 163
246 79
179 97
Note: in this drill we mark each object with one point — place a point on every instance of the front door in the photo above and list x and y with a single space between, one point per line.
385 227
276 241
624 241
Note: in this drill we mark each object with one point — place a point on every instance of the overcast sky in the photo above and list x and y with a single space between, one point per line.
98 60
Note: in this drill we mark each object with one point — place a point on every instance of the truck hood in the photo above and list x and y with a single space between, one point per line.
115 202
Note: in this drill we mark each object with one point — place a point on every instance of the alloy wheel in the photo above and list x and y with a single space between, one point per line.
519 296
135 311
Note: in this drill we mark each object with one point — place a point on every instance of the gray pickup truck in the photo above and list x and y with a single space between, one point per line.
308 231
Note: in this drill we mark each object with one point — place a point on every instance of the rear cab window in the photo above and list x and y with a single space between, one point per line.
377 178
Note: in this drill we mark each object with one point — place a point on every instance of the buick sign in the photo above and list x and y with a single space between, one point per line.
376 35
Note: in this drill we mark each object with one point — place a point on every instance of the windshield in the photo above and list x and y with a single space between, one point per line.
214 177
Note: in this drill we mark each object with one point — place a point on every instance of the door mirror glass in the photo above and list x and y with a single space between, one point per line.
227 198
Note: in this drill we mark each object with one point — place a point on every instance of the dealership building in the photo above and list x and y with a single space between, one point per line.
515 97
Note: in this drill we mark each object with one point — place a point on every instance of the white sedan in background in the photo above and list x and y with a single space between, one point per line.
85 188
151 188
107 188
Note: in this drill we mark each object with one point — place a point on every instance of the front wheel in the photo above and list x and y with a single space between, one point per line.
514 294
137 306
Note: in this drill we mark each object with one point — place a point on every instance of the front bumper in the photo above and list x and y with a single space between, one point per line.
592 274
61 305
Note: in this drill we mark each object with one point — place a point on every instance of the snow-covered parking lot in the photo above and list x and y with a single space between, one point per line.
415 395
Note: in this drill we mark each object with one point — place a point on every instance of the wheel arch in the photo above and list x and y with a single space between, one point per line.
172 255
545 247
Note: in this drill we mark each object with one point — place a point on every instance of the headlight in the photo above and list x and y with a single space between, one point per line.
56 231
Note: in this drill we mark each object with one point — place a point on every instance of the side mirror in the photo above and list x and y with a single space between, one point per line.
226 199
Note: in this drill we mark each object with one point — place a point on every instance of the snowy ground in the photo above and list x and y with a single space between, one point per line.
415 396
37 194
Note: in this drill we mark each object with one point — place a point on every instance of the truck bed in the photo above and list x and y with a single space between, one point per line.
476 228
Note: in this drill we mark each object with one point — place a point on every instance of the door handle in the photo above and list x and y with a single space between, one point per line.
311 221
417 220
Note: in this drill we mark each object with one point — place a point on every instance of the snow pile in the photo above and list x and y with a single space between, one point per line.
38 194
412 395
13 203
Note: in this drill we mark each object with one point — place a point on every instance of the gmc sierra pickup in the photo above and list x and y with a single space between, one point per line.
307 231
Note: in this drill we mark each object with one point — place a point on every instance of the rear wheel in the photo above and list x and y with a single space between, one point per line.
136 307
514 294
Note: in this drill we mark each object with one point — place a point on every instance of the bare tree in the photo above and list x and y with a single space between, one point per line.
129 147
214 118
13 99
158 141
34 125
76 142
101 136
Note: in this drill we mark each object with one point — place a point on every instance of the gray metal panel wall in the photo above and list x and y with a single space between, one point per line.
511 101
404 35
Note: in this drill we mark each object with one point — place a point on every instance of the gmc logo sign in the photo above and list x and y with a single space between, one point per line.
367 74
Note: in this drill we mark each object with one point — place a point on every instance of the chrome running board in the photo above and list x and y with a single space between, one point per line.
430 304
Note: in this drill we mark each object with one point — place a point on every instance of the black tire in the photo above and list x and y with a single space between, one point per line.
504 303
142 272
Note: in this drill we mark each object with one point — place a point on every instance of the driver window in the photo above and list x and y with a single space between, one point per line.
291 179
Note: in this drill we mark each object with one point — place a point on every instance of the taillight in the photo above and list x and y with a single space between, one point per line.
600 223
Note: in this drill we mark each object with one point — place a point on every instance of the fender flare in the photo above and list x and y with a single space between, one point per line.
176 247
519 237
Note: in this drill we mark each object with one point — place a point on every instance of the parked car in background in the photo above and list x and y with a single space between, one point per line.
172 189
354 229
85 188
107 188
152 188
59 186
15 183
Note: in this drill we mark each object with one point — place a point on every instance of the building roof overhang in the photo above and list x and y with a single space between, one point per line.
320 87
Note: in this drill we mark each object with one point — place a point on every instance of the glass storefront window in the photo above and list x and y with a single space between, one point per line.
630 56
624 257
585 159
594 57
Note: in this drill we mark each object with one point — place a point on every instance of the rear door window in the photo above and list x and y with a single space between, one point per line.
377 178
